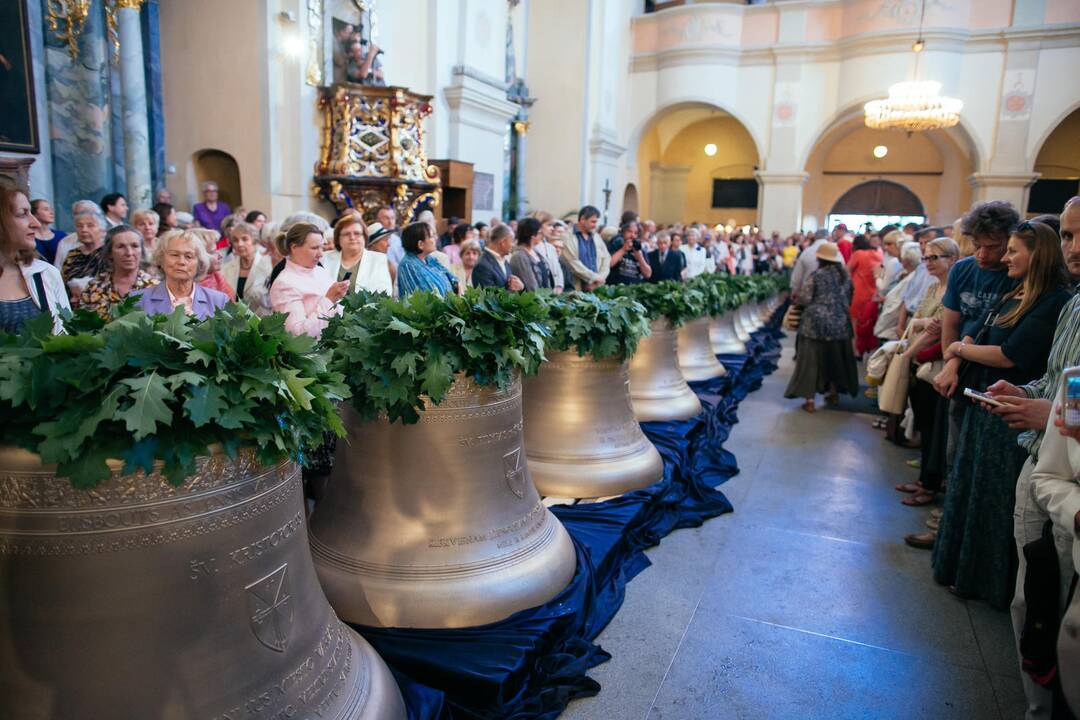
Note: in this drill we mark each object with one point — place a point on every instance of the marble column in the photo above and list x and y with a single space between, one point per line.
522 208
79 117
133 98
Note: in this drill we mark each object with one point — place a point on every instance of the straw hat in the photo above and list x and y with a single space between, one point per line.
829 251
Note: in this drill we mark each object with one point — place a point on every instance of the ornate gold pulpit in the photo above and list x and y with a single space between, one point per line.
373 150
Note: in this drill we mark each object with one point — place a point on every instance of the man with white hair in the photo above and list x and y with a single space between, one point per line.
211 211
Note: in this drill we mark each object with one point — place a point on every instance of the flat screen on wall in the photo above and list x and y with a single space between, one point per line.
1051 194
734 193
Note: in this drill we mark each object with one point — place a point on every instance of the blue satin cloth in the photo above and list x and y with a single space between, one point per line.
532 664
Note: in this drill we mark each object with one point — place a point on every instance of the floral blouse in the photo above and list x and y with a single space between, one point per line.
828 292
100 295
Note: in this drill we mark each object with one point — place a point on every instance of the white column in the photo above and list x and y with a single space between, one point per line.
1011 187
133 104
780 201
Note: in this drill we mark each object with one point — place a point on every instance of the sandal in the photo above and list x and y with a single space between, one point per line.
919 499
808 406
880 423
909 488
922 541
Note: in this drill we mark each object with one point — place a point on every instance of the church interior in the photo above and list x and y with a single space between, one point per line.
447 359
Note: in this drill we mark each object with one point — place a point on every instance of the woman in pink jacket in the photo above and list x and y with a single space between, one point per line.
304 290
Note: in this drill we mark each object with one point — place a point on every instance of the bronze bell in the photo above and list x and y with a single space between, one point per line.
752 317
722 335
581 436
743 328
697 361
138 599
658 390
438 524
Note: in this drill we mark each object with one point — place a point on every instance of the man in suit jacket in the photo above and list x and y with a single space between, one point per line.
666 264
493 267
586 253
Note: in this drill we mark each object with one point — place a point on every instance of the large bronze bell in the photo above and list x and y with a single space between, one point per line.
697 361
743 326
753 323
722 335
438 524
658 390
138 599
581 437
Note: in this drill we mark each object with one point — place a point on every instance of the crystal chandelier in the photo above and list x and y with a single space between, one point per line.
915 105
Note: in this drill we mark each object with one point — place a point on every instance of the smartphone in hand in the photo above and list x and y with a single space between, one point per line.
982 397
1070 398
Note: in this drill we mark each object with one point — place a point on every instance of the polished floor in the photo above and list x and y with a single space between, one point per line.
804 602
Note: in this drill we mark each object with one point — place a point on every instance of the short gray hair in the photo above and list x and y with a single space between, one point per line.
97 216
469 245
910 255
945 246
306 217
207 184
171 238
111 236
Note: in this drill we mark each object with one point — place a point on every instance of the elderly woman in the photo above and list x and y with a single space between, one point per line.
213 278
304 290
526 262
350 260
28 285
824 363
123 273
86 260
182 258
929 408
419 270
550 231
461 233
470 255
211 211
247 270
889 317
379 239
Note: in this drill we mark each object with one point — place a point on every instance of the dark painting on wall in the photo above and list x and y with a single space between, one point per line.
18 119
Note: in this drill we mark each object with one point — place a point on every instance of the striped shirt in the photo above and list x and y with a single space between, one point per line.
1064 353
416 275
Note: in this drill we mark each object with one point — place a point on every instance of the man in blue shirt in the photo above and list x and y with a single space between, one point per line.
976 284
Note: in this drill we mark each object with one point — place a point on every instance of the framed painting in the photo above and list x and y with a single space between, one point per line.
18 117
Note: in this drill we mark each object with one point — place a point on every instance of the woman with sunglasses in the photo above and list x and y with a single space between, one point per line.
974 551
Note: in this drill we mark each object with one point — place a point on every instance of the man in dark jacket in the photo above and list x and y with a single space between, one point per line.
493 268
666 264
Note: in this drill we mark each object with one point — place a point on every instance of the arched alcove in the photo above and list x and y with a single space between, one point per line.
683 152
220 167
1058 165
878 197
933 165
630 198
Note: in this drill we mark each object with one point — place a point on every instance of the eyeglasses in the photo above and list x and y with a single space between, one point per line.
934 258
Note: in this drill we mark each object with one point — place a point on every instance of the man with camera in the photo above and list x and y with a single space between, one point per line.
628 263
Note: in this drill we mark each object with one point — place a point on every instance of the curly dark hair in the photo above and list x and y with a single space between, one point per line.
992 220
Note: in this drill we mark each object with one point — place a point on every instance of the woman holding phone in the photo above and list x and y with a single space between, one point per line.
974 551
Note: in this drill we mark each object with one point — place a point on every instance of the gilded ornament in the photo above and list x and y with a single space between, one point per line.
66 19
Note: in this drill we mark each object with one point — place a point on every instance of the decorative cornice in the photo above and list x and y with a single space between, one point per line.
604 143
489 102
1021 180
780 178
876 43
479 75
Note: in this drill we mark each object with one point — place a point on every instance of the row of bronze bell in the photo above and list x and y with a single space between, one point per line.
139 599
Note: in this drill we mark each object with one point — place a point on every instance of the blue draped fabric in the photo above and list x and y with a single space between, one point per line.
532 664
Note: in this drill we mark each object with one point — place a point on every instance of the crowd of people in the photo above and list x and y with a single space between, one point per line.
987 304
304 265
971 327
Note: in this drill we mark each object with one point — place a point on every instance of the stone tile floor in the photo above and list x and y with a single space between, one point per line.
803 603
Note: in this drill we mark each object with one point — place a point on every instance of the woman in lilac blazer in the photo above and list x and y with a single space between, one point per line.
183 259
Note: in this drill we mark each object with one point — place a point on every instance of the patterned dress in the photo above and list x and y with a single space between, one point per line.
78 264
101 295
825 360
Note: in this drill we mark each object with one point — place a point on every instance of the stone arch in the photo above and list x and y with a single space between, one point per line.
1050 130
684 104
1057 161
962 134
220 167
878 197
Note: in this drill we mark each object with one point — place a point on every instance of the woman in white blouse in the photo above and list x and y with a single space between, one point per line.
247 270
353 262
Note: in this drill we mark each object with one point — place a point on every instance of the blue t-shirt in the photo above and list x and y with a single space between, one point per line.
973 292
